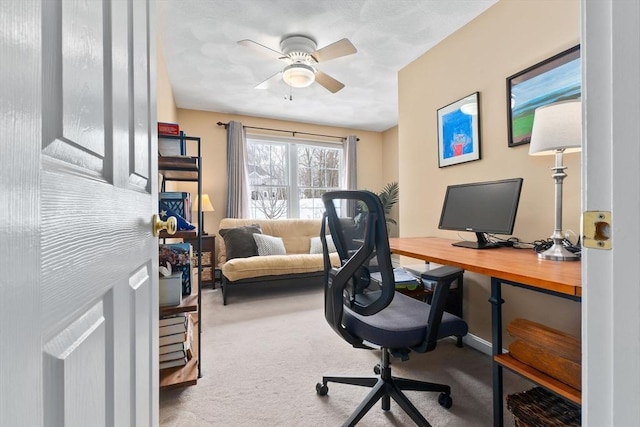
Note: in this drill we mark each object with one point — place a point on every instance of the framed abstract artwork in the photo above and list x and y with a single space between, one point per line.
459 131
555 79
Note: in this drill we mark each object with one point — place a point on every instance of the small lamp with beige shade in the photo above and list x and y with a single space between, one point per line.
207 206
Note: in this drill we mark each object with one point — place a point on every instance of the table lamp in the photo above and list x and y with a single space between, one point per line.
557 129
206 207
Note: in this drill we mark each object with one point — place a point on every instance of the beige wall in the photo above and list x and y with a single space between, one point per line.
214 153
507 38
166 104
390 167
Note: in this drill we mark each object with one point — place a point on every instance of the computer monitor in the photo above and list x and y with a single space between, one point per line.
481 207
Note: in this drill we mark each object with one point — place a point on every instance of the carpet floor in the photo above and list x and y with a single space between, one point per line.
264 352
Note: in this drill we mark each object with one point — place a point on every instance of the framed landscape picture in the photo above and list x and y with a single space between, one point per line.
558 78
459 131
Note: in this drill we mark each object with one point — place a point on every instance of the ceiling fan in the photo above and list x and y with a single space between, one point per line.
301 54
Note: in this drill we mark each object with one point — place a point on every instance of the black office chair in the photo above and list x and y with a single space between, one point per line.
369 316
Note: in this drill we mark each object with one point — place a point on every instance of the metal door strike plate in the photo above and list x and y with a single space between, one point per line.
596 229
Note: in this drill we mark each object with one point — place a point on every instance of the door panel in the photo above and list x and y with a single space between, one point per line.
73 80
141 94
74 372
141 314
80 118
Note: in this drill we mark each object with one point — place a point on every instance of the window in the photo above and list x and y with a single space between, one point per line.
287 179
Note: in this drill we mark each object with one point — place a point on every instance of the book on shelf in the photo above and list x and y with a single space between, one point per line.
189 340
173 356
172 348
172 339
173 329
182 348
172 320
173 363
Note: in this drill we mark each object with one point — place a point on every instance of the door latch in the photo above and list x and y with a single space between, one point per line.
596 229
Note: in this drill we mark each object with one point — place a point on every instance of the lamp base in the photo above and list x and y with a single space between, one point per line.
558 252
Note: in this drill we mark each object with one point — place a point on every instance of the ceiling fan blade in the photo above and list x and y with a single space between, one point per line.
334 50
262 49
328 82
271 80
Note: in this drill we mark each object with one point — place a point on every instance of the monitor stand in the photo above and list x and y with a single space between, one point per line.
482 243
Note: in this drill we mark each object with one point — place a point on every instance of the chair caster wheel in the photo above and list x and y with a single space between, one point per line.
445 400
376 369
322 389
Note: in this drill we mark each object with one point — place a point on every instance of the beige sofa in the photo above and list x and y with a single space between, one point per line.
296 266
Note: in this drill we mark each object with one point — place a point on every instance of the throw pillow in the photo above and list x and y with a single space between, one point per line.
316 245
239 241
269 245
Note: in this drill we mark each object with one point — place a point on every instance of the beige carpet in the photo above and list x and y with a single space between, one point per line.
264 352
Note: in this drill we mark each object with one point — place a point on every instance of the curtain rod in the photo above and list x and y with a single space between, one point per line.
292 132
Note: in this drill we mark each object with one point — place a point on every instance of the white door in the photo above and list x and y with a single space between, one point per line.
611 182
78 298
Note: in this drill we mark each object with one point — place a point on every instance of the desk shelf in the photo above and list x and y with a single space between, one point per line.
539 378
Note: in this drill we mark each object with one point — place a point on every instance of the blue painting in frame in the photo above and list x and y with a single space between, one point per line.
459 131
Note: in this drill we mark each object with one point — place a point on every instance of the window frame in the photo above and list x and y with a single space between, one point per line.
293 186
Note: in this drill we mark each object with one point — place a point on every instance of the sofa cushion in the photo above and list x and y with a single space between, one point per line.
269 245
316 245
239 241
276 265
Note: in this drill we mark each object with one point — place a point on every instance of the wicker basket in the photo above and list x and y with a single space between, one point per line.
540 408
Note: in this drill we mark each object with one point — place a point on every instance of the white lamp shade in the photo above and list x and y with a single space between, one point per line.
206 204
298 75
557 126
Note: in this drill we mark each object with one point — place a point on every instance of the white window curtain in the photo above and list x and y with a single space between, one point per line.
351 161
238 191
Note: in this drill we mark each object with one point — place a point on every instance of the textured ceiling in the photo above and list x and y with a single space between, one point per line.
210 71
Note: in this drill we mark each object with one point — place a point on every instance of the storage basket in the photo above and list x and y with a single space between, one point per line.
540 408
206 258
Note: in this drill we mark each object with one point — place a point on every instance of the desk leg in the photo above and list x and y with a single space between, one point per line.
496 348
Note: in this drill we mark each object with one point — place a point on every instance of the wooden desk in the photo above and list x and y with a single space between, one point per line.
516 267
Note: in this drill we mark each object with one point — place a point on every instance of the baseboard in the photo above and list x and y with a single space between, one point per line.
477 343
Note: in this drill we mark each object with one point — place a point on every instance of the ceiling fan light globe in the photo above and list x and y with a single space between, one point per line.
298 75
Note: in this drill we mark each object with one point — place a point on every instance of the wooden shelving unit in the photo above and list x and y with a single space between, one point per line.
185 169
539 377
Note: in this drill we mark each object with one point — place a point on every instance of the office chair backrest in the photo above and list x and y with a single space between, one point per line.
360 246
364 246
